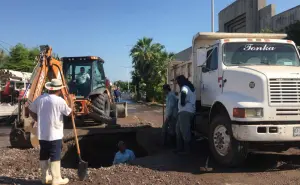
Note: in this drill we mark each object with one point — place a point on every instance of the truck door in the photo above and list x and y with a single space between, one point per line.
209 78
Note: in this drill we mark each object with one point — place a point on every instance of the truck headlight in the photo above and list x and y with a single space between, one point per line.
248 112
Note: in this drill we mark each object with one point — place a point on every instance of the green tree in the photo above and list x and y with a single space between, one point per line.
293 32
266 30
123 85
21 58
150 62
3 58
136 80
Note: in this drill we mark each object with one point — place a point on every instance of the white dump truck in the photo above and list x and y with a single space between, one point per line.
248 93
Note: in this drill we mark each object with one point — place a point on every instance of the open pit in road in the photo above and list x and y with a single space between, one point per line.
99 149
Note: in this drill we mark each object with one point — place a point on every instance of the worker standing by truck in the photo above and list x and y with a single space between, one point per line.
117 94
169 125
48 111
186 111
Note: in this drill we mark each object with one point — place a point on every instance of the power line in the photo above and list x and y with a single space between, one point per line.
5 43
4 48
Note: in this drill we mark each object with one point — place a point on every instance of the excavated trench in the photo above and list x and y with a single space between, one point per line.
99 149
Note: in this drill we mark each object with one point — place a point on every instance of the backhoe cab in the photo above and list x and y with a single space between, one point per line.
84 75
86 79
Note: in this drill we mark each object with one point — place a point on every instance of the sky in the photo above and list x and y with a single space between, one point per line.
109 28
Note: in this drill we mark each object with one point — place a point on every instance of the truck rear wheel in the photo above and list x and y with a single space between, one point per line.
224 147
101 108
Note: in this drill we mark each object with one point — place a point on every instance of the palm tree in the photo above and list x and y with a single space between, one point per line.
144 55
150 62
136 80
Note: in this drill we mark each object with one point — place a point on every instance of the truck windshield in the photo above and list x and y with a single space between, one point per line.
247 53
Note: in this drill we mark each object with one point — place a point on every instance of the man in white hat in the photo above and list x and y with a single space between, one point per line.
48 111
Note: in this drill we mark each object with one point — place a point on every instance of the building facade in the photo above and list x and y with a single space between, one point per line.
253 16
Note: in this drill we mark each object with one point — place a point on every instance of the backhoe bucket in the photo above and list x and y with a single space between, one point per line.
121 109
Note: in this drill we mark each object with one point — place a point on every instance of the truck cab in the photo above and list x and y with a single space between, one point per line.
248 93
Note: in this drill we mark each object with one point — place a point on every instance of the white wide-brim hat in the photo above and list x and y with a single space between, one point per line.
54 85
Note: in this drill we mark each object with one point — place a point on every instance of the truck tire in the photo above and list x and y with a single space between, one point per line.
224 147
101 108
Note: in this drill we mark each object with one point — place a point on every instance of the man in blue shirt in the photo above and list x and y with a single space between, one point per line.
169 125
117 94
124 155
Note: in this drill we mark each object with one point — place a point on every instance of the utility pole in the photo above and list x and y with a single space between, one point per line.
212 16
128 75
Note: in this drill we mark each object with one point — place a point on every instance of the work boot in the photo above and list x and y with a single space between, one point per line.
56 175
45 177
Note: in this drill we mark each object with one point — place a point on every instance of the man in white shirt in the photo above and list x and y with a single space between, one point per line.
124 155
186 111
48 111
82 81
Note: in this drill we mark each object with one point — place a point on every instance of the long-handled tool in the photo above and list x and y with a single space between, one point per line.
82 166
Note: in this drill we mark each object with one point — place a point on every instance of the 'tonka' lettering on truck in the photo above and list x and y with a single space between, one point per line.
250 47
248 95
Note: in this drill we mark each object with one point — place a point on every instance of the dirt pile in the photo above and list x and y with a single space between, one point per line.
21 167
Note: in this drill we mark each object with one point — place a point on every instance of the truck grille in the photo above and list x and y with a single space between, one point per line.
287 112
284 91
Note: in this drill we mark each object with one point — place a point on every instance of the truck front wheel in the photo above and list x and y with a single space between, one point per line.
224 147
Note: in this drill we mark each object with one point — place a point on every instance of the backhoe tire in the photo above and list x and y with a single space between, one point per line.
101 109
225 148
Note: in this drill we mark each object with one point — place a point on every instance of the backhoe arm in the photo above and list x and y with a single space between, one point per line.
47 68
24 133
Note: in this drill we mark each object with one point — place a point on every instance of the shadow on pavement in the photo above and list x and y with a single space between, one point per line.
99 148
196 161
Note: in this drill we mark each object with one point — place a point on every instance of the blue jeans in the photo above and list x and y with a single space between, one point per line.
117 99
50 150
183 128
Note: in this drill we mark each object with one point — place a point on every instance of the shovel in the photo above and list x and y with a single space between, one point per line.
82 166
